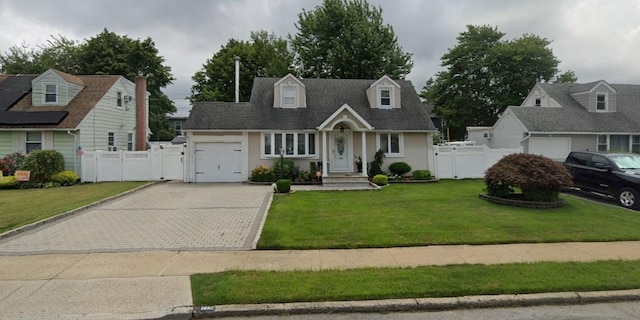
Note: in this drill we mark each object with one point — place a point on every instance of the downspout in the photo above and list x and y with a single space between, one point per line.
75 147
528 135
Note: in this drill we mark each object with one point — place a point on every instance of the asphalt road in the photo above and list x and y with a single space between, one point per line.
600 311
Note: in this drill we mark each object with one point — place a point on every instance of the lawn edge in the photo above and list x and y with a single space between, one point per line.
63 215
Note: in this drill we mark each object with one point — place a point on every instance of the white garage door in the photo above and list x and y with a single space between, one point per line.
556 148
218 162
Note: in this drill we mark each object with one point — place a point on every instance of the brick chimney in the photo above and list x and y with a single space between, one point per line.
141 113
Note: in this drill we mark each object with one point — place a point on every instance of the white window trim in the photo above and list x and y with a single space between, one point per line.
391 97
44 93
130 143
296 92
112 147
400 141
276 153
27 142
119 100
606 101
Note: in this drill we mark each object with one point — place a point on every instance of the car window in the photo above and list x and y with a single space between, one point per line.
627 162
579 158
600 162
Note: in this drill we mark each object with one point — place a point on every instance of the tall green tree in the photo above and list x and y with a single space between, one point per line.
484 74
348 39
264 55
109 53
106 53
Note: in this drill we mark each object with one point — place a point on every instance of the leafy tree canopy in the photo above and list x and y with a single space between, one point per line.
347 39
106 53
485 74
265 55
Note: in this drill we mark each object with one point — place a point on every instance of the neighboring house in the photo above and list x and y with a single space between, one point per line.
177 121
328 121
72 114
555 119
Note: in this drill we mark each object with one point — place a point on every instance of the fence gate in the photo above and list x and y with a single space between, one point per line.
161 162
460 162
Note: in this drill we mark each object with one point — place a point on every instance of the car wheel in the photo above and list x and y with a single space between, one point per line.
628 198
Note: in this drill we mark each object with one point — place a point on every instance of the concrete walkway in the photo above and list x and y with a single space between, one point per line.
156 284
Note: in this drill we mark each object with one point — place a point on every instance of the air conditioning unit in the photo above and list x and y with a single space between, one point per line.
488 135
128 98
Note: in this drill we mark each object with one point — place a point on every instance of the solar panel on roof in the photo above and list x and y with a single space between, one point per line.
13 89
34 117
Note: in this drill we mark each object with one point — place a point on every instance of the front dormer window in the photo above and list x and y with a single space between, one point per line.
601 102
289 96
385 97
50 93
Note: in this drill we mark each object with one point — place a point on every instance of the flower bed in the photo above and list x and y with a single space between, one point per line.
518 201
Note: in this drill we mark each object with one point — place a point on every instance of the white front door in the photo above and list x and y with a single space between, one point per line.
341 147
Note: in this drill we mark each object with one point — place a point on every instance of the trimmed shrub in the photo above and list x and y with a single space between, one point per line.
422 175
283 185
65 178
375 166
399 168
380 179
262 174
10 163
538 177
43 164
9 182
288 168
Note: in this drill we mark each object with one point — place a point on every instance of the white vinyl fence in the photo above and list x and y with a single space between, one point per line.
161 162
460 162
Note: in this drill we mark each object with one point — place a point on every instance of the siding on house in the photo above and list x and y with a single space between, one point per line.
6 143
106 117
583 142
66 91
507 132
64 143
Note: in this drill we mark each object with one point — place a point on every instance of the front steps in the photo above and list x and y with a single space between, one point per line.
347 182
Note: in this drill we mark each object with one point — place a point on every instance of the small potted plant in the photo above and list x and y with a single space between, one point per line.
359 163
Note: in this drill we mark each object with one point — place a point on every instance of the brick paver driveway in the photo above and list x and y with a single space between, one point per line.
168 216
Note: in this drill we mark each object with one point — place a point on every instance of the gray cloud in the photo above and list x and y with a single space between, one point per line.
598 39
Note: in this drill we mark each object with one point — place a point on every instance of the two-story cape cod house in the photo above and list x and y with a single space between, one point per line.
72 114
332 122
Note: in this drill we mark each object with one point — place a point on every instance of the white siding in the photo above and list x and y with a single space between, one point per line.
66 91
6 143
106 117
64 143
507 132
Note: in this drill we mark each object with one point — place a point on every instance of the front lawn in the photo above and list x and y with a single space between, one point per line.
242 287
447 212
22 207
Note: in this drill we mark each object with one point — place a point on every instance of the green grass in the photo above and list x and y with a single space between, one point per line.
447 212
22 207
240 287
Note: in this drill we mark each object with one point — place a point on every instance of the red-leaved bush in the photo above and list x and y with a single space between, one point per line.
538 177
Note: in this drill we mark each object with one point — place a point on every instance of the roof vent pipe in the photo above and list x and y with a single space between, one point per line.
237 79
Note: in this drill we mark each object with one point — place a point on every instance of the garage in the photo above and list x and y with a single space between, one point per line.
556 148
218 162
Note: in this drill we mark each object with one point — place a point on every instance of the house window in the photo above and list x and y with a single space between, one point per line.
178 127
129 141
385 97
33 141
50 93
295 144
390 144
602 143
619 143
289 96
538 102
635 144
119 99
111 141
601 101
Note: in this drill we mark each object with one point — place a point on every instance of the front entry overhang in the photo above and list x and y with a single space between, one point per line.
343 117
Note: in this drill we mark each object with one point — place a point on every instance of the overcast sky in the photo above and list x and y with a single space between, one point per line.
598 39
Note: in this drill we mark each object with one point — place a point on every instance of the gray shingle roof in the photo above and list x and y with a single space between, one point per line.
324 97
573 117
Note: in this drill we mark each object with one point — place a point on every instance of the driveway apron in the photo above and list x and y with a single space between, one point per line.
167 216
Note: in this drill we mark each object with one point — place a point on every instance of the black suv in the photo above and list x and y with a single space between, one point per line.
611 174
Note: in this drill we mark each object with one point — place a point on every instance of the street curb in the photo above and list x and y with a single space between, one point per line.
61 216
419 304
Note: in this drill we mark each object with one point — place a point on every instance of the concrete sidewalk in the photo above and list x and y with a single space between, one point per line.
156 284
